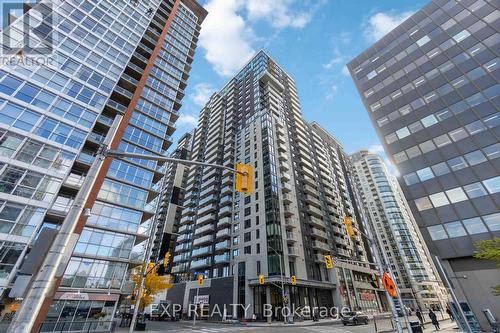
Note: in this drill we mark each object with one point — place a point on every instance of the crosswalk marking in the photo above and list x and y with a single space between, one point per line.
327 329
213 330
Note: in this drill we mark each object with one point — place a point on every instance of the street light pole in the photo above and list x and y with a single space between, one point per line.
282 281
375 252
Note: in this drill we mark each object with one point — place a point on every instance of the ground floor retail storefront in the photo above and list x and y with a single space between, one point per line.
74 311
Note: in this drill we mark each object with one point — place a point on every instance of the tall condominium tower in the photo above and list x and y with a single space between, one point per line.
292 219
431 88
392 222
170 206
129 58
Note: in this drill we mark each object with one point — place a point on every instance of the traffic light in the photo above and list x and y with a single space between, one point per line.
328 261
151 268
201 278
262 279
166 260
294 280
348 227
374 281
244 178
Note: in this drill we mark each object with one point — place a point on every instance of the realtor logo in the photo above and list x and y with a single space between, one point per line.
27 28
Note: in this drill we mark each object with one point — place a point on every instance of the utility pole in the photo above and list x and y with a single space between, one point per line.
59 254
374 250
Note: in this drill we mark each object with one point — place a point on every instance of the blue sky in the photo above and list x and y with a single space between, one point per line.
311 39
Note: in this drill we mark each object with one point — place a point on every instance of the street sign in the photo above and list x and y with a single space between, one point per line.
262 279
201 278
389 285
335 261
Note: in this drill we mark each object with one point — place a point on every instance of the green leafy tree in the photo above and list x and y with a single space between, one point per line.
490 250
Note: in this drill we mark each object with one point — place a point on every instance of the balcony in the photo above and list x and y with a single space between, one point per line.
207 209
74 180
184 238
287 199
292 251
86 157
225 211
224 222
290 237
224 233
204 219
284 166
285 176
201 251
314 211
224 245
320 245
221 258
62 205
204 229
319 233
286 188
316 222
185 228
186 220
201 263
203 240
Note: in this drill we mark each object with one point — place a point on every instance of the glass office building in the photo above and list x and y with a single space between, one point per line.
108 58
431 88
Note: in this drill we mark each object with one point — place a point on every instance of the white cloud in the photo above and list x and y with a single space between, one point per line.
202 93
278 13
380 24
333 92
226 37
187 120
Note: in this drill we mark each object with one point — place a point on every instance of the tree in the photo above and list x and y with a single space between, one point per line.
490 250
153 284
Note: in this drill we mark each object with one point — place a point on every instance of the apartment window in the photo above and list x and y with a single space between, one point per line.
475 190
429 120
427 146
492 184
475 127
458 134
440 169
247 250
492 151
474 226
422 41
236 240
247 199
257 249
457 163
411 179
439 199
257 220
236 253
456 195
257 234
258 267
248 223
425 174
437 232
455 229
248 211
492 221
442 140
247 237
423 203
475 157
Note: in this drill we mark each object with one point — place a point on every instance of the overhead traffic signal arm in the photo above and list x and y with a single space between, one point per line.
244 172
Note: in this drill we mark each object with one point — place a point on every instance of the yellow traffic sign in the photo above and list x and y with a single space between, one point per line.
262 279
201 278
328 261
294 280
244 178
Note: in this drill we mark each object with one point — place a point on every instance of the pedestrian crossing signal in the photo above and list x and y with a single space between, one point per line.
262 279
389 285
294 280
328 261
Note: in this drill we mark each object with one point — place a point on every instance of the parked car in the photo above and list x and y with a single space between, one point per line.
355 318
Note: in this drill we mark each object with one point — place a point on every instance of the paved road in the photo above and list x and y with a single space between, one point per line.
324 326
